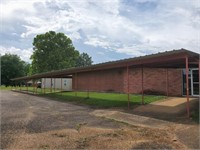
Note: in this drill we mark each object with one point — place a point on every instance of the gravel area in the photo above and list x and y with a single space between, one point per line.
32 122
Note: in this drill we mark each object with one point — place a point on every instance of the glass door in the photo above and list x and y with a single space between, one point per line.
195 82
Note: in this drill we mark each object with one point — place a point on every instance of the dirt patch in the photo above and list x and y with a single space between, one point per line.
152 145
190 135
97 138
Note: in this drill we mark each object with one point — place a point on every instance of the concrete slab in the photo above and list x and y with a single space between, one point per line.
132 119
173 106
173 101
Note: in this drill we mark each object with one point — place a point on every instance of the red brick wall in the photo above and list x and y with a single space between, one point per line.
106 80
154 81
175 82
116 80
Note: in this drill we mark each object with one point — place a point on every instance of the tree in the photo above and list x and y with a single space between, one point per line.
11 67
53 51
28 69
84 60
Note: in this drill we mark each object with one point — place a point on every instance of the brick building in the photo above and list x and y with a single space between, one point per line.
171 73
115 80
162 73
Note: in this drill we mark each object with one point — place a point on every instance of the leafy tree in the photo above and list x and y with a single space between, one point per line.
11 67
28 69
53 51
84 60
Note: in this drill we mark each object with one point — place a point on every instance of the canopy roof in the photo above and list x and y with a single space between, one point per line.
168 59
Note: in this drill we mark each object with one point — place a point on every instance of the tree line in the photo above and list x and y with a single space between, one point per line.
51 51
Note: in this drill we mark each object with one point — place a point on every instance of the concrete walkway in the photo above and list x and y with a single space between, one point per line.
149 115
132 119
173 101
173 106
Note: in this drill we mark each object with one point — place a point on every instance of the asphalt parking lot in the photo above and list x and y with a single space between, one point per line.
32 122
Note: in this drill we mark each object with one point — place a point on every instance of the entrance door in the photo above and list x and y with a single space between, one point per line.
195 82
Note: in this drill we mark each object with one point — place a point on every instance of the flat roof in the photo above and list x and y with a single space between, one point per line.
168 59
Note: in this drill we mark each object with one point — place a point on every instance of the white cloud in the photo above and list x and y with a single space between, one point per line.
101 53
23 53
145 26
12 8
98 41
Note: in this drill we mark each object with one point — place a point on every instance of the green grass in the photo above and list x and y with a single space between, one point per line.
95 99
30 89
6 88
104 99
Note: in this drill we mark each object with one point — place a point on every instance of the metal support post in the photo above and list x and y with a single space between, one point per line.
128 94
44 85
88 88
76 84
142 85
36 86
167 83
26 86
61 86
33 86
54 85
187 87
20 86
51 85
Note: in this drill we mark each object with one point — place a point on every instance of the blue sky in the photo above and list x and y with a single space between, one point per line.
107 30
